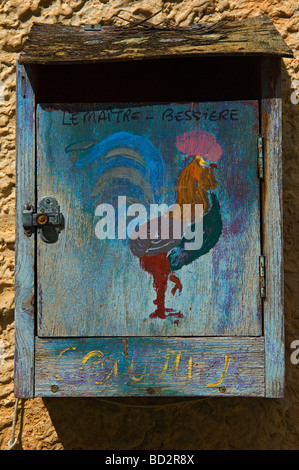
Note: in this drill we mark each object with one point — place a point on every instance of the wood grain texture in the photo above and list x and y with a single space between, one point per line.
24 258
272 228
92 287
150 367
50 44
273 249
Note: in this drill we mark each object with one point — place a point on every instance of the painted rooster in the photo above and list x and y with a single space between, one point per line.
128 164
160 257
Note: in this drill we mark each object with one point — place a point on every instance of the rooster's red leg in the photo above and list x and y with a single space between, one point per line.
178 285
158 266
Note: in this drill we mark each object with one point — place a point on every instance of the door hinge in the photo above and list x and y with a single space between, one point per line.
23 86
260 162
262 276
48 219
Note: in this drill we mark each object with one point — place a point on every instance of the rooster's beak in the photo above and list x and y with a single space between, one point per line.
202 161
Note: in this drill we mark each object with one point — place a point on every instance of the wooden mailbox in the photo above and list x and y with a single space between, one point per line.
112 123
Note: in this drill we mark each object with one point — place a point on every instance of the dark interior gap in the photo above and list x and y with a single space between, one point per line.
160 80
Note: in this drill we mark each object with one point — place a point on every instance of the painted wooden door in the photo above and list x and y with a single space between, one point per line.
103 279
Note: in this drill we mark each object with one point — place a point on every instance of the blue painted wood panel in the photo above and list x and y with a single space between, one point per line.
25 247
150 366
90 154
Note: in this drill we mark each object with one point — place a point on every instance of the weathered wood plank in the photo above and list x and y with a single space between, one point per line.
273 250
272 228
270 77
63 44
24 258
150 366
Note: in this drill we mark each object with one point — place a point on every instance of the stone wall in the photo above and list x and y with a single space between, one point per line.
218 423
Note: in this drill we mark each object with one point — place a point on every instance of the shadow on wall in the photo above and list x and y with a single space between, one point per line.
168 424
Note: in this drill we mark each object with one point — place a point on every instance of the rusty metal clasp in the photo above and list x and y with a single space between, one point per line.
48 219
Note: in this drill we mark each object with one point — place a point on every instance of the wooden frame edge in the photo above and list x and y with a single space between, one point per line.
25 246
272 229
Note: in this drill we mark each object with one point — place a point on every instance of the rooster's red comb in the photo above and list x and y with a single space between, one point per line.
199 143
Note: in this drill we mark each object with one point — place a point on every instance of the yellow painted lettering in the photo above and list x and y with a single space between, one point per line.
225 369
190 368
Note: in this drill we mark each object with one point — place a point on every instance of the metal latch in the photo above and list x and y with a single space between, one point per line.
48 219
